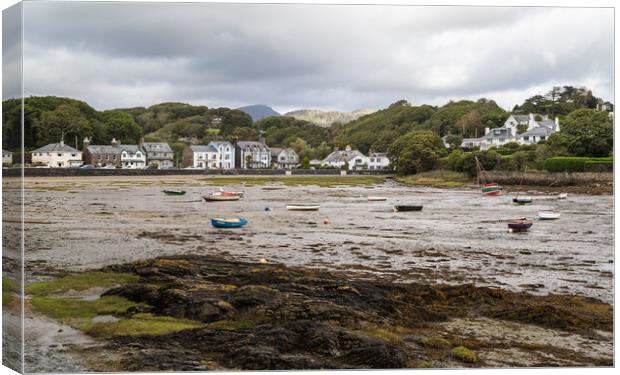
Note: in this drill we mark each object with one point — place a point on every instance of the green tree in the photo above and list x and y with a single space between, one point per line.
585 132
305 163
66 122
122 126
416 151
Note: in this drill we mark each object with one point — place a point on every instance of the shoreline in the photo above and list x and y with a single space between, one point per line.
259 316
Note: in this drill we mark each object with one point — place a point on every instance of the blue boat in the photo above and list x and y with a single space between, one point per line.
232 222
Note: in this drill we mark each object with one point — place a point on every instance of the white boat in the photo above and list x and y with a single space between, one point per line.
302 207
562 195
215 197
548 215
377 199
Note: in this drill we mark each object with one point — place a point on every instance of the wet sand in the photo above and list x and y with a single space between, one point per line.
459 237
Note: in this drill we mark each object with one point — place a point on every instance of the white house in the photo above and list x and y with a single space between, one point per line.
7 158
353 159
204 156
535 131
284 158
57 155
132 157
378 160
225 153
252 154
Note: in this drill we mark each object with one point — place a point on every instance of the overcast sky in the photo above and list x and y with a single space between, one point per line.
311 56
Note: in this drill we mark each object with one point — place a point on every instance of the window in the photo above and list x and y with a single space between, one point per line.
542 138
526 138
59 155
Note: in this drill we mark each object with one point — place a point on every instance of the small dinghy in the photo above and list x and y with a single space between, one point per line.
522 199
219 197
302 207
232 222
377 199
407 207
520 225
174 192
491 189
548 215
562 195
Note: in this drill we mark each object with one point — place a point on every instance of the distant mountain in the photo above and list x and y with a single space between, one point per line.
326 119
258 111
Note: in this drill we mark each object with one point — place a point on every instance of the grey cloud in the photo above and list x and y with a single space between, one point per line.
310 56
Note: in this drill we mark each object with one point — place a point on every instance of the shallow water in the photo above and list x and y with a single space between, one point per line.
460 236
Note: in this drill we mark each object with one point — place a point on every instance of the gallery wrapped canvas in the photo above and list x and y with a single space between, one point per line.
230 186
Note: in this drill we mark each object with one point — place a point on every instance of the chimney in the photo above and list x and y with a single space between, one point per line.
62 141
348 148
114 142
531 117
261 138
86 142
141 142
486 131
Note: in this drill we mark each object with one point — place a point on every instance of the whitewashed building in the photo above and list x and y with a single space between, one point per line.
215 155
225 153
57 155
535 131
352 159
7 158
378 160
132 157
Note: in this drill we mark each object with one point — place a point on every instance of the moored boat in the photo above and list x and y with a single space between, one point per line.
232 222
490 188
376 199
522 199
302 207
407 207
548 215
174 192
239 193
215 197
562 195
520 225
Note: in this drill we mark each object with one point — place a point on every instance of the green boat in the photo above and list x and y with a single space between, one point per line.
174 192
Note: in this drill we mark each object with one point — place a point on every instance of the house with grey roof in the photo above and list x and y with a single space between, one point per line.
352 159
252 154
159 154
523 129
215 155
115 154
132 156
284 158
57 155
7 158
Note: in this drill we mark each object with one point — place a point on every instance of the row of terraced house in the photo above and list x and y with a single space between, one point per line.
242 155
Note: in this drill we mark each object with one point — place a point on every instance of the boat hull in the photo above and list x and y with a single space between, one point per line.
377 199
228 223
407 208
220 198
302 207
524 200
543 215
521 225
174 192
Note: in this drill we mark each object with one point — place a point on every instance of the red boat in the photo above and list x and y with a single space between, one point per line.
520 225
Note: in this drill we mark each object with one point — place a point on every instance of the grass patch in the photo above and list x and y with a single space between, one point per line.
322 181
464 354
81 281
141 324
78 312
435 342
9 290
437 178
381 334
